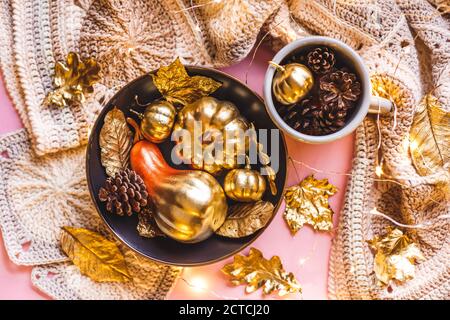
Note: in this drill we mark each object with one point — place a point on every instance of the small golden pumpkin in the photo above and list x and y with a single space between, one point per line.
157 121
206 119
245 185
291 82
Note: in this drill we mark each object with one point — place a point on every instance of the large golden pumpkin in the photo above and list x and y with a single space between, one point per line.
210 123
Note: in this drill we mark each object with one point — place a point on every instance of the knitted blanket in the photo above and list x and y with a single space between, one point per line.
405 44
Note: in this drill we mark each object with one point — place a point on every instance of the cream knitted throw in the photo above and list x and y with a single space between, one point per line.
131 37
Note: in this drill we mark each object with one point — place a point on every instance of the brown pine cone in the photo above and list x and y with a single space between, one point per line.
331 118
321 60
340 86
312 117
302 116
125 193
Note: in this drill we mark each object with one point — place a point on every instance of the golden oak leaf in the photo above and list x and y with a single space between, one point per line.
395 257
307 203
429 137
257 272
95 256
115 142
73 80
174 83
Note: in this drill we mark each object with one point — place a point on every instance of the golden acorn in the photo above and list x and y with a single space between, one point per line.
291 82
245 185
157 121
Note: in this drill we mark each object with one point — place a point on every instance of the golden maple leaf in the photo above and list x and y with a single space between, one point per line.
73 80
307 203
174 83
395 257
257 272
95 256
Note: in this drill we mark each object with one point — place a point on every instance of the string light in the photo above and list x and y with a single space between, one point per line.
390 179
378 171
290 17
198 284
424 225
256 50
413 145
196 6
374 211
302 261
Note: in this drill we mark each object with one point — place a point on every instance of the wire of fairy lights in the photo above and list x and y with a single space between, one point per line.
196 6
423 225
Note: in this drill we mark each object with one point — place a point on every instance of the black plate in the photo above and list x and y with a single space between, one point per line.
166 250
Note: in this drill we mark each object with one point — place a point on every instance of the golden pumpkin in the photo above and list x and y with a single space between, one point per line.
245 185
291 82
211 122
157 121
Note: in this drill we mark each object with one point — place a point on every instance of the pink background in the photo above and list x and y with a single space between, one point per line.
305 254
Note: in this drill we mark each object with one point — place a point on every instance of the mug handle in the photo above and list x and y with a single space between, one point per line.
379 105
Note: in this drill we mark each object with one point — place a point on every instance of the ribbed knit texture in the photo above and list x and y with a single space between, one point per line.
405 44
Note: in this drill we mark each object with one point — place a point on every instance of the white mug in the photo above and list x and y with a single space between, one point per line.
367 103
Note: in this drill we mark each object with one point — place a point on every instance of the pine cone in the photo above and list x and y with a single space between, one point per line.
313 118
321 60
125 193
331 118
340 86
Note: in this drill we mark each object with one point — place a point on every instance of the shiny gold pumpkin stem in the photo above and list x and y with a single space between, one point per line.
247 163
138 134
140 115
277 66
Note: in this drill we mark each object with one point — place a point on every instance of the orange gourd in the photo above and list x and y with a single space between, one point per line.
190 204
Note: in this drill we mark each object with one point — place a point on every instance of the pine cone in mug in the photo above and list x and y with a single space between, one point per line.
303 116
125 193
321 60
331 117
340 86
313 117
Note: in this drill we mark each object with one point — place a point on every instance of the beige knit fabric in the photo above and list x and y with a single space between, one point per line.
130 38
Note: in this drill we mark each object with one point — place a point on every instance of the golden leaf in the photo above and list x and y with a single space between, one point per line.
174 83
115 142
395 257
245 219
95 256
307 203
257 272
147 226
429 137
73 80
